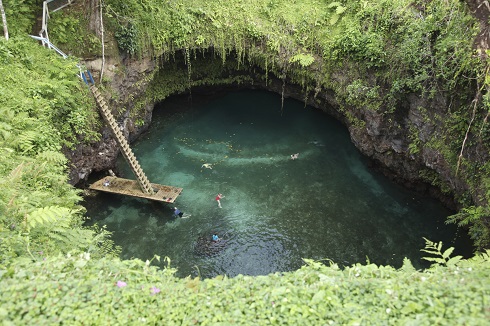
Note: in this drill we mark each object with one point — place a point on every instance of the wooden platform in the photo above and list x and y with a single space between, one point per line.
166 194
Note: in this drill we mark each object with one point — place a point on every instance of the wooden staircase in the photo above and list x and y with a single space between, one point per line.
128 154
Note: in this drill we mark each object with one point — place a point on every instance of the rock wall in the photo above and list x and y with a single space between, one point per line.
127 84
384 139
378 139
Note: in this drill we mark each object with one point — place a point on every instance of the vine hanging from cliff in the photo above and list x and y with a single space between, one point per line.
187 59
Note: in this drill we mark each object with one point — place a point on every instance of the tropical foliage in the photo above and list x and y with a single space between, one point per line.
77 289
370 54
21 16
44 110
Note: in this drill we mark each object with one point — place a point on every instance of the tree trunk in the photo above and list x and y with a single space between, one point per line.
95 17
4 19
101 5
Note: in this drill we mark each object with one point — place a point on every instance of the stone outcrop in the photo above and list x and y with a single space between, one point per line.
102 155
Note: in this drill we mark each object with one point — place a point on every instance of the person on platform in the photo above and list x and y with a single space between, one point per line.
106 183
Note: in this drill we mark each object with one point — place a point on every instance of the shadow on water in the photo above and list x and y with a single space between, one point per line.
327 204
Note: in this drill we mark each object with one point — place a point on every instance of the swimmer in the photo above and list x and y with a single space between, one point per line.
294 156
218 199
207 166
179 213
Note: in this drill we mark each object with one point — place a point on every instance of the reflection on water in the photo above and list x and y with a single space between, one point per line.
324 205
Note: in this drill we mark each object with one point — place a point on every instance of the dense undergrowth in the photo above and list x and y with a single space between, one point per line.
45 110
370 54
79 290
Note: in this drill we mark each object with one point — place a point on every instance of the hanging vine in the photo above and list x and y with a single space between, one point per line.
460 157
283 77
266 71
486 97
187 56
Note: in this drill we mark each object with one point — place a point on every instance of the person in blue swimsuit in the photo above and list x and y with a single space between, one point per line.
177 212
215 238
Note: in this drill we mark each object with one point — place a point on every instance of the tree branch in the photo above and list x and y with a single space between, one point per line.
4 19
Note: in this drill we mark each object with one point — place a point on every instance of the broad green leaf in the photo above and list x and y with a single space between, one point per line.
454 260
448 252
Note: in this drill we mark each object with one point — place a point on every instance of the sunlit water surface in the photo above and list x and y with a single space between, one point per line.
327 204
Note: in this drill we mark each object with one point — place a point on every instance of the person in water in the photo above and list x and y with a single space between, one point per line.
177 212
294 156
215 238
218 199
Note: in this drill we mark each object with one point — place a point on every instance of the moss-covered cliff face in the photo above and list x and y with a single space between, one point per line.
407 78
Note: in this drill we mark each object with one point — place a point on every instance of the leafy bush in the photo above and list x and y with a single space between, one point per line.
76 289
21 16
68 30
126 37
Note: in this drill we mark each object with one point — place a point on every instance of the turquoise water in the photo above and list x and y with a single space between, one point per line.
327 204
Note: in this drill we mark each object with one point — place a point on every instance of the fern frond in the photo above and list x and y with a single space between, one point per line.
454 260
303 59
5 130
481 257
101 244
447 253
54 226
69 240
52 157
440 257
407 266
467 216
17 172
26 140
46 215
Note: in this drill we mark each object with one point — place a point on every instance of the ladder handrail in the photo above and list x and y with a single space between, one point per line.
50 45
44 24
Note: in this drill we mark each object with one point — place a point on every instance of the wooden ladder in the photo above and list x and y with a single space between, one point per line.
122 142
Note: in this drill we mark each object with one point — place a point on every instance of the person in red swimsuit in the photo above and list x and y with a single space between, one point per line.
218 198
